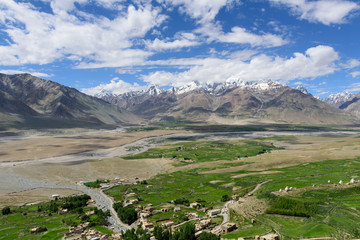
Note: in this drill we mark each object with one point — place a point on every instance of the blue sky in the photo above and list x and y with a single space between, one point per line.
120 45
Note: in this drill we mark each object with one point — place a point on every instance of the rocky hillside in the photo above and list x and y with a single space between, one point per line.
27 99
338 99
232 100
352 106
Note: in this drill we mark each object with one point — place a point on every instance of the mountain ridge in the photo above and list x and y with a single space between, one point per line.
233 99
29 98
338 99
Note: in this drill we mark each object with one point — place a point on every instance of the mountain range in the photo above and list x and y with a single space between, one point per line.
26 100
338 99
352 105
265 100
29 101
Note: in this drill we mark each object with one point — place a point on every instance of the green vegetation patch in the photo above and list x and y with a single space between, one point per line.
45 217
207 151
95 184
178 185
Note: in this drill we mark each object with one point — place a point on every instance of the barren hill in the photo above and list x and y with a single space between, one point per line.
28 100
238 100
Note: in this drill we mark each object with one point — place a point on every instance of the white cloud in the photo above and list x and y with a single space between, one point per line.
352 63
324 11
59 6
97 41
204 12
214 32
116 86
201 10
242 36
355 74
37 74
315 62
182 40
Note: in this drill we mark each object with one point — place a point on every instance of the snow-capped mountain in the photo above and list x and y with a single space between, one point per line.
187 88
218 88
154 90
338 99
104 93
213 88
234 99
302 89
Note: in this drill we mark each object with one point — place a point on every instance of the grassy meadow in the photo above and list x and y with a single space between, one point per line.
207 151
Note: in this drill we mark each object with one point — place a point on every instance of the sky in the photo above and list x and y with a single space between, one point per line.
121 45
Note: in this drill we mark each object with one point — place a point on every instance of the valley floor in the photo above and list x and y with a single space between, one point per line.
34 168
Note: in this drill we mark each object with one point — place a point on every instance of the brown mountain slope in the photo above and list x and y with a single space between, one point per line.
280 103
294 106
34 99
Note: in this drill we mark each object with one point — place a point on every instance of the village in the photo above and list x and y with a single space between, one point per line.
214 220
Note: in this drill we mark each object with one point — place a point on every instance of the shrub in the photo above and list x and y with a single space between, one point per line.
183 201
6 211
225 198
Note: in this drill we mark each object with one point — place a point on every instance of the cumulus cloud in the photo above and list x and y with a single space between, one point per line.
323 11
204 12
37 74
201 10
242 36
315 62
95 41
116 86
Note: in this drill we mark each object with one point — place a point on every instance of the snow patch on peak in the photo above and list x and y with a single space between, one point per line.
104 93
302 89
338 99
154 90
187 88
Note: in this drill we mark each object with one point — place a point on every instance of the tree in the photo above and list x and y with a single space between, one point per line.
187 232
225 198
208 236
139 234
6 211
53 207
127 214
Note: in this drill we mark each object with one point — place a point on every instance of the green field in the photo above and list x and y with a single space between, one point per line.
320 211
207 151
329 209
17 224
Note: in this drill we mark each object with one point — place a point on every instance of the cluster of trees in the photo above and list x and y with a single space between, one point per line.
186 232
95 184
99 220
127 215
182 201
52 207
75 202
